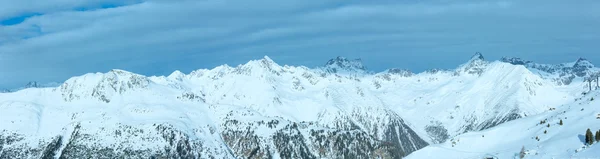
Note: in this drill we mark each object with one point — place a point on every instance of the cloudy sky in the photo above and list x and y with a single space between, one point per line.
52 40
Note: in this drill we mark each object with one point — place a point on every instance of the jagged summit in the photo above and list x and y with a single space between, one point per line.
31 84
262 66
267 59
561 74
401 72
477 56
475 65
342 64
102 85
515 60
583 63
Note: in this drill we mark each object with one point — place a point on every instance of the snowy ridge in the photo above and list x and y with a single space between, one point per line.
547 140
266 106
31 84
561 74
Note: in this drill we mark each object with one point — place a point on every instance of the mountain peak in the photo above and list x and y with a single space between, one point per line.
32 84
477 56
176 75
475 65
102 85
582 62
267 62
36 84
515 60
120 72
267 58
581 67
343 64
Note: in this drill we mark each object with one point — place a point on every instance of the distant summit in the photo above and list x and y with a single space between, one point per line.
32 84
562 74
475 65
342 64
515 60
477 56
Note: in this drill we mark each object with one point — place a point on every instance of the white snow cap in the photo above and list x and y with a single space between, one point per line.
176 75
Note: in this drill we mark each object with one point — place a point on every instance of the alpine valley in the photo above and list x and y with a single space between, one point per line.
262 109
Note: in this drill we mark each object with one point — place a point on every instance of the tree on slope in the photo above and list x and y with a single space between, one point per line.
561 123
589 137
522 153
598 136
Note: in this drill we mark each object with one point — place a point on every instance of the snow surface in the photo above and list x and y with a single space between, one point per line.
462 101
506 140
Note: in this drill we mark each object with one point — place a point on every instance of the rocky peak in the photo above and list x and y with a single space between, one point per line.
477 56
401 72
583 63
32 84
264 65
342 64
475 65
515 61
102 85
581 67
565 72
267 60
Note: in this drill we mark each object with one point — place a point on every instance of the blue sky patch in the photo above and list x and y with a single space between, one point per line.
17 19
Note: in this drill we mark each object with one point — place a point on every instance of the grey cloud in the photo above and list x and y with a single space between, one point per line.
157 37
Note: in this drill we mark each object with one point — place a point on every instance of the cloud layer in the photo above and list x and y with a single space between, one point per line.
69 37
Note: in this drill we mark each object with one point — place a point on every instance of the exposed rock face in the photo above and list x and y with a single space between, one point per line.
163 141
102 86
401 72
31 84
343 65
476 65
263 139
437 132
515 60
239 136
562 74
499 120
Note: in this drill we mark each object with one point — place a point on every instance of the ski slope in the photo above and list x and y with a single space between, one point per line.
506 140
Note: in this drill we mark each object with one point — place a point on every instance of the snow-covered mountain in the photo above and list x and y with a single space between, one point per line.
561 74
265 110
559 133
32 84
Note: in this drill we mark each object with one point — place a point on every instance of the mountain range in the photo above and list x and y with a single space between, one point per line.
262 109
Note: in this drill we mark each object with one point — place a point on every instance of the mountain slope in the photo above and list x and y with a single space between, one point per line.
264 110
506 140
561 74
120 113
